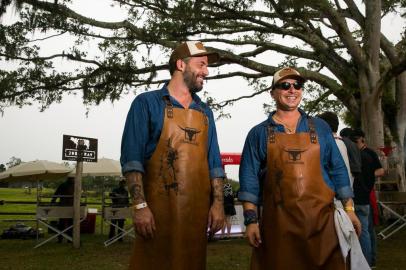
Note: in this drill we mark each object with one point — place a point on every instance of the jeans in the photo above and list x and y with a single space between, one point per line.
372 234
362 212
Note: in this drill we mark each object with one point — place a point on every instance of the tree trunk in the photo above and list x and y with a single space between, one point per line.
371 110
372 122
401 128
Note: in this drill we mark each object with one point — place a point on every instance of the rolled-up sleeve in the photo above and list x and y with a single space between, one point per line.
214 157
135 137
253 154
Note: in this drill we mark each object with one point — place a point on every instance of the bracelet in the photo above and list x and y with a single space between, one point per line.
250 216
349 208
140 205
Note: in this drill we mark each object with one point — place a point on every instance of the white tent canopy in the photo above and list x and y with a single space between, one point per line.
34 171
103 167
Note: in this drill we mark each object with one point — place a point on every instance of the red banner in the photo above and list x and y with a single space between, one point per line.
230 158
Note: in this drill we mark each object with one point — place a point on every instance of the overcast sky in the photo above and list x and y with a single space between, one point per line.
29 134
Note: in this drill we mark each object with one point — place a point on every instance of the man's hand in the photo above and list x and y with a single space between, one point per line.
144 223
216 218
348 203
355 222
216 212
253 235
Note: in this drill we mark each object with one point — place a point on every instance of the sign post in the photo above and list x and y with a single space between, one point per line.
79 149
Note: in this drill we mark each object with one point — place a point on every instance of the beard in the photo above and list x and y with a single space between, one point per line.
190 79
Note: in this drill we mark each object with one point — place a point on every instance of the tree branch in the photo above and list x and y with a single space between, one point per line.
62 55
230 101
48 37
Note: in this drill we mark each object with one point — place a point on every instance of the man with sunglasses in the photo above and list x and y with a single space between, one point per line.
290 171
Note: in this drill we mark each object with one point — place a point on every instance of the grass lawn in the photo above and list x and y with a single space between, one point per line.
222 255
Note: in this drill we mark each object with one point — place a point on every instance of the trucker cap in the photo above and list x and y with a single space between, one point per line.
284 73
191 49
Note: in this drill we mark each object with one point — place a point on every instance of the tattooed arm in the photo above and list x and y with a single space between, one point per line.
216 213
348 205
217 190
252 232
135 187
143 218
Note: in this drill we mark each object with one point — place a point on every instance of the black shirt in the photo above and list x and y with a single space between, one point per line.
65 193
364 184
119 197
354 155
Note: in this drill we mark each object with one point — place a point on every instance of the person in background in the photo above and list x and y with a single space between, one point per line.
64 193
332 120
171 160
354 154
119 199
304 171
373 219
371 168
374 213
229 209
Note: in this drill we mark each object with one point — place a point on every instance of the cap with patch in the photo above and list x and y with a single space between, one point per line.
193 49
285 73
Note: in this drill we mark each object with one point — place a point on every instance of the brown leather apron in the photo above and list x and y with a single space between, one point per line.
177 189
297 223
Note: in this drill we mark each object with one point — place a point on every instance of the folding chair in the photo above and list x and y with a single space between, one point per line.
111 213
392 201
44 213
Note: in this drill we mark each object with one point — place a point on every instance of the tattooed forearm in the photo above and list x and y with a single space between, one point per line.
135 187
217 190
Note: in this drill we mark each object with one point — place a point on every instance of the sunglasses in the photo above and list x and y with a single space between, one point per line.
287 85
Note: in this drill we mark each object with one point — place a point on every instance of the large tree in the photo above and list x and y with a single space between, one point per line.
338 45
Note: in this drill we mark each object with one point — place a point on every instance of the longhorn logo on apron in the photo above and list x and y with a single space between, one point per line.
294 155
190 135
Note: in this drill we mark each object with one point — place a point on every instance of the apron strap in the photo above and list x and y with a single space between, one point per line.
271 133
313 134
169 106
169 109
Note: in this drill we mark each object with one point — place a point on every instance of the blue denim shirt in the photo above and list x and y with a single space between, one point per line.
143 129
254 158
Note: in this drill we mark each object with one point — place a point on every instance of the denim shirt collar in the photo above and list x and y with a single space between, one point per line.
301 127
303 116
195 98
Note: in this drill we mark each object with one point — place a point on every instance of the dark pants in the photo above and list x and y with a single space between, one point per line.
62 225
120 224
372 235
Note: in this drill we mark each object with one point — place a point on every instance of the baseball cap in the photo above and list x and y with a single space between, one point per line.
192 49
286 72
357 133
346 132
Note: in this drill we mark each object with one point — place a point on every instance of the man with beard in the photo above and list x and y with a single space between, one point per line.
171 160
304 171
